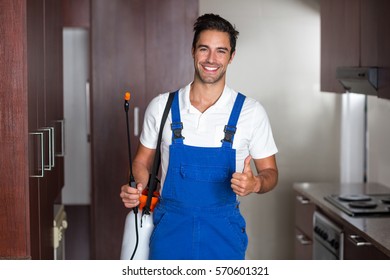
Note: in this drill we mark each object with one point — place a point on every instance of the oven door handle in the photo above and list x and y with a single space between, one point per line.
358 240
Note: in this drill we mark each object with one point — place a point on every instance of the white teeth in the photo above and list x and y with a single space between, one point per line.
211 68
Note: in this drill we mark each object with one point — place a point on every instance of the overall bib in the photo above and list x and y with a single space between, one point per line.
198 215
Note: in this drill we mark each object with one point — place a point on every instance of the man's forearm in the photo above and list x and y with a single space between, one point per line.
268 178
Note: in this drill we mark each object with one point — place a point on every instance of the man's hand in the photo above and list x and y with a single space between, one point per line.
246 182
130 196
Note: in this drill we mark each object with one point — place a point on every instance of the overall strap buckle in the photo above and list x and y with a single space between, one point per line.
177 127
229 133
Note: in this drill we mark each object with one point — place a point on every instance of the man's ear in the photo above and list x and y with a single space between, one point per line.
232 56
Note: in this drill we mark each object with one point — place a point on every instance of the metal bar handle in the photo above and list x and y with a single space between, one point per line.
302 199
40 134
136 121
303 240
62 152
50 131
88 109
358 240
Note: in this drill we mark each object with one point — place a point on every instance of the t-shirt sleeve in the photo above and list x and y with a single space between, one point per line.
151 123
262 143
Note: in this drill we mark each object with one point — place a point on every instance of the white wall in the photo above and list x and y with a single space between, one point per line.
278 63
378 117
77 188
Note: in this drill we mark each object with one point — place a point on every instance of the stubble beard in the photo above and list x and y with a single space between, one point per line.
209 79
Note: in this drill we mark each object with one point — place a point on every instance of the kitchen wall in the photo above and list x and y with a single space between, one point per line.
378 116
278 63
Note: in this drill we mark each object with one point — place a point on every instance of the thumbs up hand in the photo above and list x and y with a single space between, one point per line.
246 182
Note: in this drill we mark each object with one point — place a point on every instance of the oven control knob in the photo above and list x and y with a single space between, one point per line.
325 236
334 243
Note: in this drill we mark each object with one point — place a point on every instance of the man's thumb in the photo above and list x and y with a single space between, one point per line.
247 164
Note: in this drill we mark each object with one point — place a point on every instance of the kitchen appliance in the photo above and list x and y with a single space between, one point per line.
362 80
328 239
361 204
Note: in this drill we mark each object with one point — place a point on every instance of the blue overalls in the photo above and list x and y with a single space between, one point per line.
198 216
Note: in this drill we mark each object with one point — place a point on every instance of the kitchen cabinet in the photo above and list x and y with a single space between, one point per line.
303 244
357 247
357 230
31 172
354 34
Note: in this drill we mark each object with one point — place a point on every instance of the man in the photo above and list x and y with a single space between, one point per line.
206 155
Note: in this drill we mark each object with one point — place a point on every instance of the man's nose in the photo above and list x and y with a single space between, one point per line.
211 57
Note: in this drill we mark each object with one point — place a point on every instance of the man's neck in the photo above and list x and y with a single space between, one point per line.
203 96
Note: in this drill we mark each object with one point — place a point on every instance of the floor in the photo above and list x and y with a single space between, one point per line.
77 241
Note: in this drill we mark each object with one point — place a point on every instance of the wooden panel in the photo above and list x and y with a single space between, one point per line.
369 33
14 223
304 210
76 13
78 234
137 46
118 53
35 57
353 251
303 246
168 45
53 94
340 40
383 48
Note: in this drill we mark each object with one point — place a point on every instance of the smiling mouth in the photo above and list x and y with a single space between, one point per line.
210 68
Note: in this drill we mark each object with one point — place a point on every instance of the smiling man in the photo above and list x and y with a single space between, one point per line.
206 161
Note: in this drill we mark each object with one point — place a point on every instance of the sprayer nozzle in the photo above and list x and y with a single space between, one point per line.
127 96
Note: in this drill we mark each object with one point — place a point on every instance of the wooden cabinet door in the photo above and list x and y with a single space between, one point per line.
35 93
340 40
146 52
357 247
14 191
26 194
383 48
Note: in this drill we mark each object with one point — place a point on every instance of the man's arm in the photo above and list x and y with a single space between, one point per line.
142 164
245 182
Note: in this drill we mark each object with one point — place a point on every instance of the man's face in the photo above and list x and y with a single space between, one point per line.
212 56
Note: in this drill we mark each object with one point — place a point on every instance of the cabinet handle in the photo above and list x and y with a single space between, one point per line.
303 240
88 109
50 149
40 134
358 241
62 152
136 114
302 199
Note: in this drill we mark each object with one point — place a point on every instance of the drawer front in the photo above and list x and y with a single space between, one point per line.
304 210
303 246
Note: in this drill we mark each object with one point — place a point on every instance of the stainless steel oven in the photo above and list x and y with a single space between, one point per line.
328 239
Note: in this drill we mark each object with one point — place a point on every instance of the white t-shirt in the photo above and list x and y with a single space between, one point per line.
253 135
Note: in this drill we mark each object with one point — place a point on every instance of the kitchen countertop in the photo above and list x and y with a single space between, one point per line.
374 229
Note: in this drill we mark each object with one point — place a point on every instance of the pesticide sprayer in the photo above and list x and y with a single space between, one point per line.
139 221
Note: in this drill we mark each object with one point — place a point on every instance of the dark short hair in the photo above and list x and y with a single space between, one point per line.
215 22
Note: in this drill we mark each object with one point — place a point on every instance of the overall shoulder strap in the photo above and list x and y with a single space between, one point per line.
176 125
152 185
231 127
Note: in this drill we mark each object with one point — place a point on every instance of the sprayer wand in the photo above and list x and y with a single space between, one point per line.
131 177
